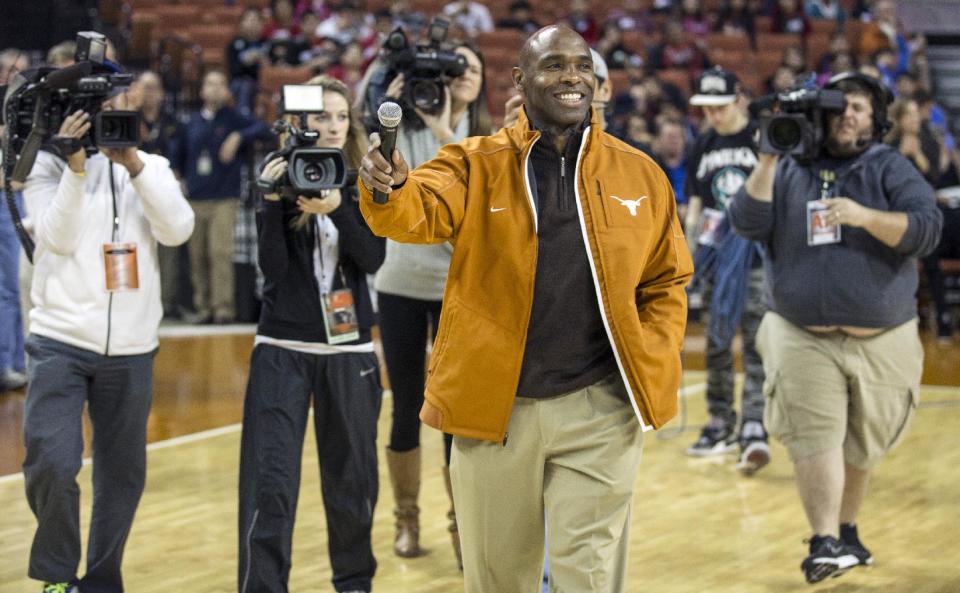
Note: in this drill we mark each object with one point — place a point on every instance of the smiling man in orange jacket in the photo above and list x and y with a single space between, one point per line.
562 324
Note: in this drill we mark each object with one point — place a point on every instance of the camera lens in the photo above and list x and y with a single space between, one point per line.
785 133
426 94
313 172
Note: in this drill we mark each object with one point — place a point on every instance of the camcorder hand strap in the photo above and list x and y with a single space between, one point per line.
25 240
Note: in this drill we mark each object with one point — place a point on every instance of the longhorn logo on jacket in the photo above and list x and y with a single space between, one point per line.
631 205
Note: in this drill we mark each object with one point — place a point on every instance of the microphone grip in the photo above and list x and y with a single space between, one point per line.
65 77
388 141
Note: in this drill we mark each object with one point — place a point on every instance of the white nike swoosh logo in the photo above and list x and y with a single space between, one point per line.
496 209
366 372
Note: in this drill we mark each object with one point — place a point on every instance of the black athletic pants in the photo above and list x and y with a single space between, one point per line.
346 394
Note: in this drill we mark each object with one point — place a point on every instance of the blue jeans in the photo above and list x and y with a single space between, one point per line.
11 322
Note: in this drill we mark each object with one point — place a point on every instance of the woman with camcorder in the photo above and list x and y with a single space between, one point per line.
313 345
410 290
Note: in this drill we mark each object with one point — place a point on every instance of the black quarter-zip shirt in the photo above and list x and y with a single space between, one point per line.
567 346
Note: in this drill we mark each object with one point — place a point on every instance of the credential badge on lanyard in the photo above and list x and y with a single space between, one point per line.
820 231
119 259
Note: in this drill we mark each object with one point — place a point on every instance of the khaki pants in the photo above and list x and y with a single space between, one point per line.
211 257
572 458
830 391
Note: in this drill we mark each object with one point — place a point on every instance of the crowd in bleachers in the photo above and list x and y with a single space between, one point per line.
654 50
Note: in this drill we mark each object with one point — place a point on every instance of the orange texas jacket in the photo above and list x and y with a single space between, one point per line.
477 195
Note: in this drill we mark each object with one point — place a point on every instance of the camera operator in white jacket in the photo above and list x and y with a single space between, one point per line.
93 336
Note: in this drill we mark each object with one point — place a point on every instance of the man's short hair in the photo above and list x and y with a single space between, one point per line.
922 96
661 122
62 53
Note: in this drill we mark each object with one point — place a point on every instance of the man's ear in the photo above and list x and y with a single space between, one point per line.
518 79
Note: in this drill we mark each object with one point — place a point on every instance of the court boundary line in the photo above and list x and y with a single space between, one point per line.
211 433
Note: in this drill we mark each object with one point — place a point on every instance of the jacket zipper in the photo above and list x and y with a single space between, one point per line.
526 181
563 183
596 285
109 322
114 237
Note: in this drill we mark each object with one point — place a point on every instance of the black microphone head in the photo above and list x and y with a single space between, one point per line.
65 77
390 114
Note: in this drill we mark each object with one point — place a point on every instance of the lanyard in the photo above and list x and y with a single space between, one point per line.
113 194
319 234
828 179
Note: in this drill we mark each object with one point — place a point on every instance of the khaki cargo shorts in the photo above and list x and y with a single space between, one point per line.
829 391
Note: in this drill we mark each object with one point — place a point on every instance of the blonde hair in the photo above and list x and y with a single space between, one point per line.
895 113
356 144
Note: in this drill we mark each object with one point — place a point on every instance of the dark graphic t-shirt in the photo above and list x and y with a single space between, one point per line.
717 166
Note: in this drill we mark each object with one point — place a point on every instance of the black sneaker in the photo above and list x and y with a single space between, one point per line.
754 449
828 558
716 438
849 537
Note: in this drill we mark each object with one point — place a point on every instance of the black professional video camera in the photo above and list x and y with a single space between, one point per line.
426 68
37 101
310 170
797 125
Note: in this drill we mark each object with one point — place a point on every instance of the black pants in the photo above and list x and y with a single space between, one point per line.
404 323
346 394
117 391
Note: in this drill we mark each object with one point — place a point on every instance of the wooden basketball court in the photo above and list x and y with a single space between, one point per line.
698 526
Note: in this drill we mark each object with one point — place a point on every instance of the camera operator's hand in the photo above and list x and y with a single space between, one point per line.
395 88
76 125
127 157
325 204
230 147
511 109
439 123
375 172
273 171
847 212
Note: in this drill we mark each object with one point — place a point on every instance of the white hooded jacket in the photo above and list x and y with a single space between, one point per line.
72 219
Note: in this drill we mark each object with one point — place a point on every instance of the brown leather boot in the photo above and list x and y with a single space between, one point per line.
452 515
405 479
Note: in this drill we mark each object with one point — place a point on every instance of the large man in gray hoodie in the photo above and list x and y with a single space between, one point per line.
842 234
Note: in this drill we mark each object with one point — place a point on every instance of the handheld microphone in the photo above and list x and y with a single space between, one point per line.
389 115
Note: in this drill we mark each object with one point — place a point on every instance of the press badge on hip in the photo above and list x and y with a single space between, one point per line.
340 317
120 267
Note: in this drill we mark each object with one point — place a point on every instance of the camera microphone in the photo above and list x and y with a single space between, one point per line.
65 77
389 115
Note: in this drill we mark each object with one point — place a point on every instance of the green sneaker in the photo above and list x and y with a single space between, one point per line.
59 588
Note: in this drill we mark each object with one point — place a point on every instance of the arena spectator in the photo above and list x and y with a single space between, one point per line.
669 146
677 51
632 15
207 157
472 17
692 16
281 24
581 19
611 46
521 18
788 17
736 18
